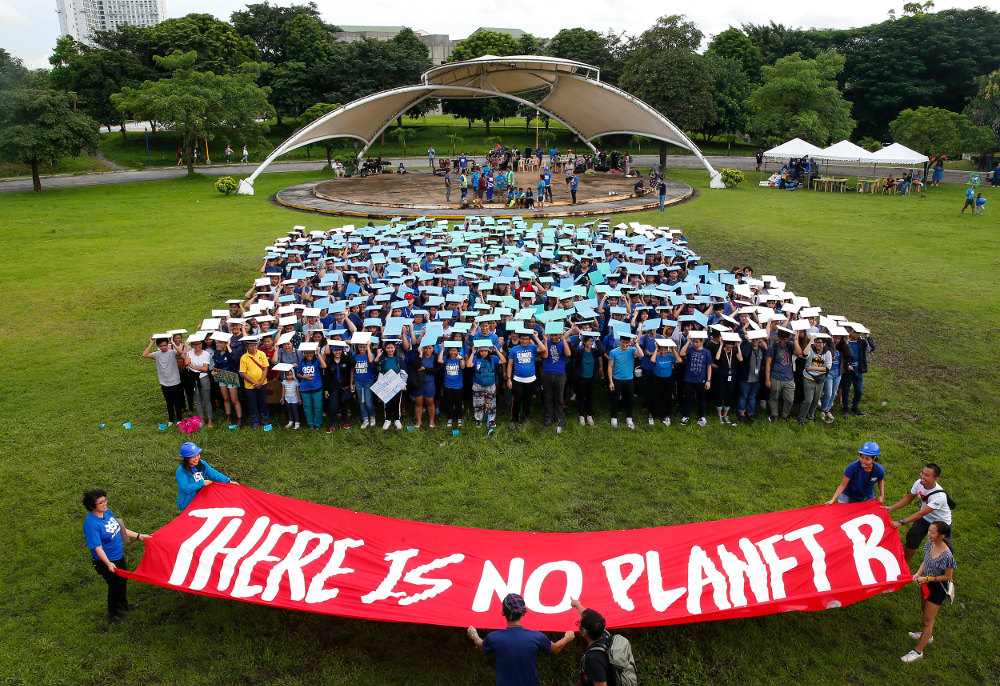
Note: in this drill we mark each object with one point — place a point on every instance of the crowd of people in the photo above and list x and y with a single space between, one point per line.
607 659
487 316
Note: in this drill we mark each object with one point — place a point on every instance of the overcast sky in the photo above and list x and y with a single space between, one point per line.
29 28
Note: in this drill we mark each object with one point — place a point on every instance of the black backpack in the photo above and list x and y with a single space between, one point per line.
951 501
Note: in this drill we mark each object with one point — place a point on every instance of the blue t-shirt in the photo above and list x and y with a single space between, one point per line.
588 363
453 373
624 363
781 361
106 533
574 182
541 188
310 368
547 177
524 360
664 366
698 362
363 370
862 484
516 649
555 363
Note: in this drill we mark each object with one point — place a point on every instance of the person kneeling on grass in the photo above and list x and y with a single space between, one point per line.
860 477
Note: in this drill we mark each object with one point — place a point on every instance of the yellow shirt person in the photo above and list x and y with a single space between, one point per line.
253 366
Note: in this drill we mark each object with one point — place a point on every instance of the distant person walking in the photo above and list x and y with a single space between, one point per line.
661 188
180 156
970 199
760 158
246 154
229 154
938 176
430 157
447 185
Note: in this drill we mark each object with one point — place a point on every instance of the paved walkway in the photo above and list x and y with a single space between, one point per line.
21 183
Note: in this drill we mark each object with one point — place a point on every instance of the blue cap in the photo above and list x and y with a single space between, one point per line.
870 448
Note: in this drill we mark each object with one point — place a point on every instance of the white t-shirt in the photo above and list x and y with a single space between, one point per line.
199 360
938 501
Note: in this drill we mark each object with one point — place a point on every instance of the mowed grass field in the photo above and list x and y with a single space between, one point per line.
90 273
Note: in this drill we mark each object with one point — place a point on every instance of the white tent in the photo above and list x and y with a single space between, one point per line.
573 95
793 148
898 154
844 151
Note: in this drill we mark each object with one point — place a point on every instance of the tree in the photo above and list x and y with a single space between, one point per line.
734 44
284 33
774 41
934 131
312 114
799 97
292 87
730 90
368 66
663 69
984 108
12 71
528 44
403 134
589 47
489 110
41 125
220 49
94 75
200 104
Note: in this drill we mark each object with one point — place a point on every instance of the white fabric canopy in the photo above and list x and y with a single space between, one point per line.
793 148
576 97
844 151
898 154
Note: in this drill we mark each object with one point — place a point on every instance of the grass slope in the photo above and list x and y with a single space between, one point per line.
91 273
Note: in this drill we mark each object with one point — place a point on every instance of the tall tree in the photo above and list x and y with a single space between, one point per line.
984 108
663 69
589 47
273 28
220 49
799 97
934 131
734 44
94 75
200 104
12 71
774 41
489 110
314 112
41 125
730 90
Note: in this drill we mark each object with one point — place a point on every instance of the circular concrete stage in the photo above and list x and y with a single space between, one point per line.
421 194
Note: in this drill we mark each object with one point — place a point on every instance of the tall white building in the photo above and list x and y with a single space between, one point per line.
81 18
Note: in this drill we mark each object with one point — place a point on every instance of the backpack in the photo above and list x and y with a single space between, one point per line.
485 376
951 502
619 652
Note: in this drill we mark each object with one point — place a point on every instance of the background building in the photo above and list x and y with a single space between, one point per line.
81 18
439 45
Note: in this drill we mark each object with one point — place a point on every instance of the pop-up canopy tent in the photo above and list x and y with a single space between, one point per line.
844 151
793 148
573 95
898 154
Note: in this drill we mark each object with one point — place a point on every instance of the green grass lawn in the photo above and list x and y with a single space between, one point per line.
93 272
67 165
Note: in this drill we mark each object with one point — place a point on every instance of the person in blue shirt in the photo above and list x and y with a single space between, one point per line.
104 535
521 375
662 384
587 368
574 183
364 377
453 365
516 647
554 379
309 372
421 381
547 178
697 376
483 361
193 474
860 477
621 372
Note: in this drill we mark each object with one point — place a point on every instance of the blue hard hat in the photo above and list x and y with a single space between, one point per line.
870 448
189 449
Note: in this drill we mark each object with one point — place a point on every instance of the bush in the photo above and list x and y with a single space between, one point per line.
590 172
732 177
226 185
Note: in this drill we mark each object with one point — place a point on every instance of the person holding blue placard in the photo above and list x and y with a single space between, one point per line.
453 365
310 374
483 361
697 375
421 381
521 375
588 367
392 358
661 384
621 372
554 375
338 378
364 377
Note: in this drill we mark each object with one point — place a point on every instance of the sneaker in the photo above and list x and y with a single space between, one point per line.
828 416
296 425
801 422
702 422
479 423
772 417
386 424
512 426
911 656
749 419
725 418
398 424
459 422
684 421
559 429
170 423
915 635
629 424
666 422
651 421
857 413
582 420
346 426
614 422
449 423
330 429
546 422
721 420
289 424
364 424
590 420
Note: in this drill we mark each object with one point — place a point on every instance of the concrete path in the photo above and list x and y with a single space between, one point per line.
16 184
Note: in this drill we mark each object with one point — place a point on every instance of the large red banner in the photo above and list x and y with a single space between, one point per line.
237 542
